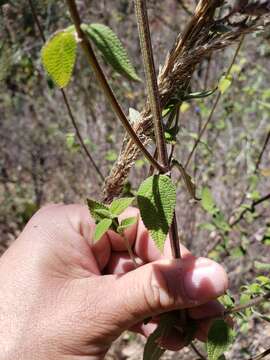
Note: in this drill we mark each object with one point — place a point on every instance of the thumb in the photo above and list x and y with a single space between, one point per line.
165 285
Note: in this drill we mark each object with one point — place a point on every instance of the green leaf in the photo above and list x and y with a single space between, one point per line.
95 207
220 221
220 337
262 266
103 213
227 300
224 84
151 350
58 57
156 200
101 228
119 205
207 201
111 49
126 223
199 94
187 179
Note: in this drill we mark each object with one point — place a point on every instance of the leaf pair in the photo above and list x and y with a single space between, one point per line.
156 199
106 216
59 53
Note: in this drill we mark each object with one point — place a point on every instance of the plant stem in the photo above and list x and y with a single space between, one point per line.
151 79
66 101
254 302
130 251
89 53
197 352
262 151
154 99
261 356
79 136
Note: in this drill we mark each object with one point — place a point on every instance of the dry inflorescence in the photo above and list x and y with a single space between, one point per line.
201 37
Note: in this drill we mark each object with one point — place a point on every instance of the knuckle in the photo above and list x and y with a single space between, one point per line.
158 294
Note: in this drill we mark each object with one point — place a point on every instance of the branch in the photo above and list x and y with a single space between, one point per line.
89 53
261 356
154 99
254 302
214 105
197 352
174 76
69 110
250 209
262 151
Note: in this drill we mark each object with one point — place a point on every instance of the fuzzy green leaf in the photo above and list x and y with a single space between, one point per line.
120 205
58 57
111 49
103 213
95 207
220 337
101 228
151 350
207 201
126 223
156 200
224 84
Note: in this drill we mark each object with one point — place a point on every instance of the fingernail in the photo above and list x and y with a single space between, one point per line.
205 280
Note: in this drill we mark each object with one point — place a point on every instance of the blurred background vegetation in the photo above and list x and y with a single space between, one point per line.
41 160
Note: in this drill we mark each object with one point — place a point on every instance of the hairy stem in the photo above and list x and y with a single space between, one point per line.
66 101
92 60
154 100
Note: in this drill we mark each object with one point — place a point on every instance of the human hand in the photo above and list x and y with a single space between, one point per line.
63 297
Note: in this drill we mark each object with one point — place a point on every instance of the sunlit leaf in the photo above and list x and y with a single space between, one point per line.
207 201
119 205
58 57
126 223
101 228
224 84
95 207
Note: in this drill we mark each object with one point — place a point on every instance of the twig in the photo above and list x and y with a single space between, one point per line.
130 251
197 352
233 223
258 162
79 135
185 7
261 356
67 104
154 99
254 302
89 53
250 209
214 105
